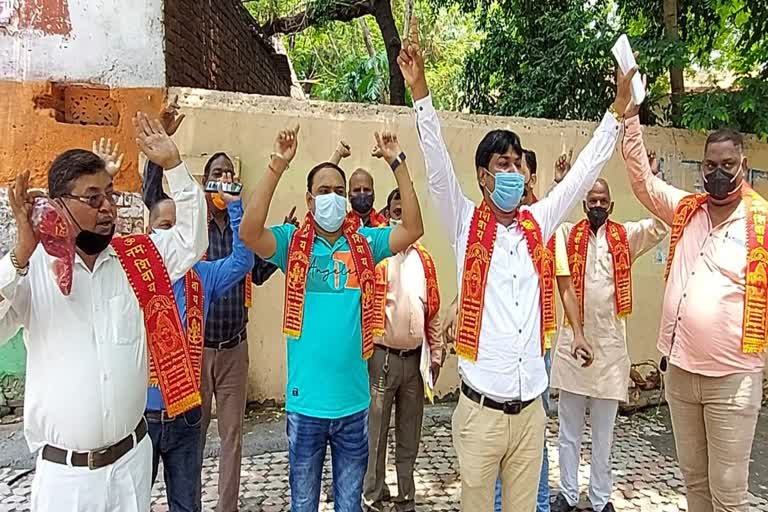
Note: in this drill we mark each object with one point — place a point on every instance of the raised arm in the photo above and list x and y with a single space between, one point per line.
412 227
152 185
554 208
659 197
644 235
227 272
185 243
253 231
443 186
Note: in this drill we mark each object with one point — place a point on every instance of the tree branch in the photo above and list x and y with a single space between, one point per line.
335 11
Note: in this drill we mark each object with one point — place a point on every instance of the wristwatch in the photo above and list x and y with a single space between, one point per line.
22 271
397 161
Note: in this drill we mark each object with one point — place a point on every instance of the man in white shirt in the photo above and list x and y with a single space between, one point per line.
87 356
506 277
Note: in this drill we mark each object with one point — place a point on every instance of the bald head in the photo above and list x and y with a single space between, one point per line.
162 215
601 188
361 194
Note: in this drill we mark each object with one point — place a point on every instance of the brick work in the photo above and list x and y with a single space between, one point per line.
213 44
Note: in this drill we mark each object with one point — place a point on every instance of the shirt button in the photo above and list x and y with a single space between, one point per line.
520 360
514 276
520 331
517 303
701 254
693 273
679 318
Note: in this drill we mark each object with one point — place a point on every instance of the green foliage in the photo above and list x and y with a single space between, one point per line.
742 108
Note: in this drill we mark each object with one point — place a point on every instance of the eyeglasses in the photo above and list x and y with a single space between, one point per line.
96 200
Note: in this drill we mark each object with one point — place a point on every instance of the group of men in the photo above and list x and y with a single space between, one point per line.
122 371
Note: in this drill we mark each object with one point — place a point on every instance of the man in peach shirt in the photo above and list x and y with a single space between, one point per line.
712 350
408 304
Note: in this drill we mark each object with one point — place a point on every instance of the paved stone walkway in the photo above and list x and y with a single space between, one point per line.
645 480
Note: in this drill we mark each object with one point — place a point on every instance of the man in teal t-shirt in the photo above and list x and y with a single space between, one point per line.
327 392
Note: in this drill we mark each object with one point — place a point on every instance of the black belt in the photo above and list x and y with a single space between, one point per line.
225 345
399 353
97 458
160 416
510 407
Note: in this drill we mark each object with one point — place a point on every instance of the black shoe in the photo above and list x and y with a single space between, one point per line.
561 505
608 507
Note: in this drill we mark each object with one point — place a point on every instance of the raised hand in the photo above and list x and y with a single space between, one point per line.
110 154
343 149
653 161
563 165
451 323
20 200
227 177
291 218
623 100
286 143
170 118
387 146
154 142
411 62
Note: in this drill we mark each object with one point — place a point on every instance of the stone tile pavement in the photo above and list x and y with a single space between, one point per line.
645 479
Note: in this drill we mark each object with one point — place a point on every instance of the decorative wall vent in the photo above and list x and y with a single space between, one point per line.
84 104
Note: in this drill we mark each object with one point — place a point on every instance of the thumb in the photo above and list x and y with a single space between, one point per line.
296 130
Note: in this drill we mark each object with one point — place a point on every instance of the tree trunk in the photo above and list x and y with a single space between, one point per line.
367 37
676 80
382 11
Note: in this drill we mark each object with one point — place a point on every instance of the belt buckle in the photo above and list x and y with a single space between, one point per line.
513 407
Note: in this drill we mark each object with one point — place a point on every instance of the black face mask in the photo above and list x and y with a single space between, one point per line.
93 243
597 216
719 184
362 203
87 241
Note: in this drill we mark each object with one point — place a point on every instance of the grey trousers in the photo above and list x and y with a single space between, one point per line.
393 381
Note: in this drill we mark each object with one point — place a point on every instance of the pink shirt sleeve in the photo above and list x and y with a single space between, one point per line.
659 197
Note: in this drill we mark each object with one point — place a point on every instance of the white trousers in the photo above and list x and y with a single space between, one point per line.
602 417
124 486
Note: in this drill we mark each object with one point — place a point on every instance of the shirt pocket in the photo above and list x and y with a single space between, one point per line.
125 320
731 259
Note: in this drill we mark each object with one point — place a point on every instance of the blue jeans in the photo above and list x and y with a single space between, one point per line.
177 442
542 501
307 441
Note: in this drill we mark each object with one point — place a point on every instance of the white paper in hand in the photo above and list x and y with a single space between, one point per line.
622 51
425 366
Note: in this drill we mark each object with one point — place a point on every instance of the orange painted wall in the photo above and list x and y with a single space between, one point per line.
31 137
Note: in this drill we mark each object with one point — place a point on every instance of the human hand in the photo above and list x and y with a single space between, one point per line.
581 348
435 369
170 118
154 142
563 165
291 218
286 144
110 154
623 100
451 324
227 177
343 149
20 201
387 146
411 62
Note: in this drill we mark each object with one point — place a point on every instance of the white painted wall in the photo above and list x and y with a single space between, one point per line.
113 42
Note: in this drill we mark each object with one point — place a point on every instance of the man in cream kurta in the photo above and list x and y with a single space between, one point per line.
604 384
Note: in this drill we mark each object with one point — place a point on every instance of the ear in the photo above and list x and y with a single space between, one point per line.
610 209
584 206
310 204
533 179
481 175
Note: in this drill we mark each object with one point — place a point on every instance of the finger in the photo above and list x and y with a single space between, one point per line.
570 155
177 122
94 147
175 103
119 163
378 139
115 150
292 214
630 74
157 126
146 129
414 35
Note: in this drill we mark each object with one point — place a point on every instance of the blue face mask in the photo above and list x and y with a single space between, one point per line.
330 210
509 190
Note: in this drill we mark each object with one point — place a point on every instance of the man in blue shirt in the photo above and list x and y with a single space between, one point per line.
177 440
328 307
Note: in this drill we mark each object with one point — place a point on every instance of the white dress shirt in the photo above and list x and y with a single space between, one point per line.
509 365
87 374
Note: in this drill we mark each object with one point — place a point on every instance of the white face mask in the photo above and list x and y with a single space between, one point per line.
330 210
